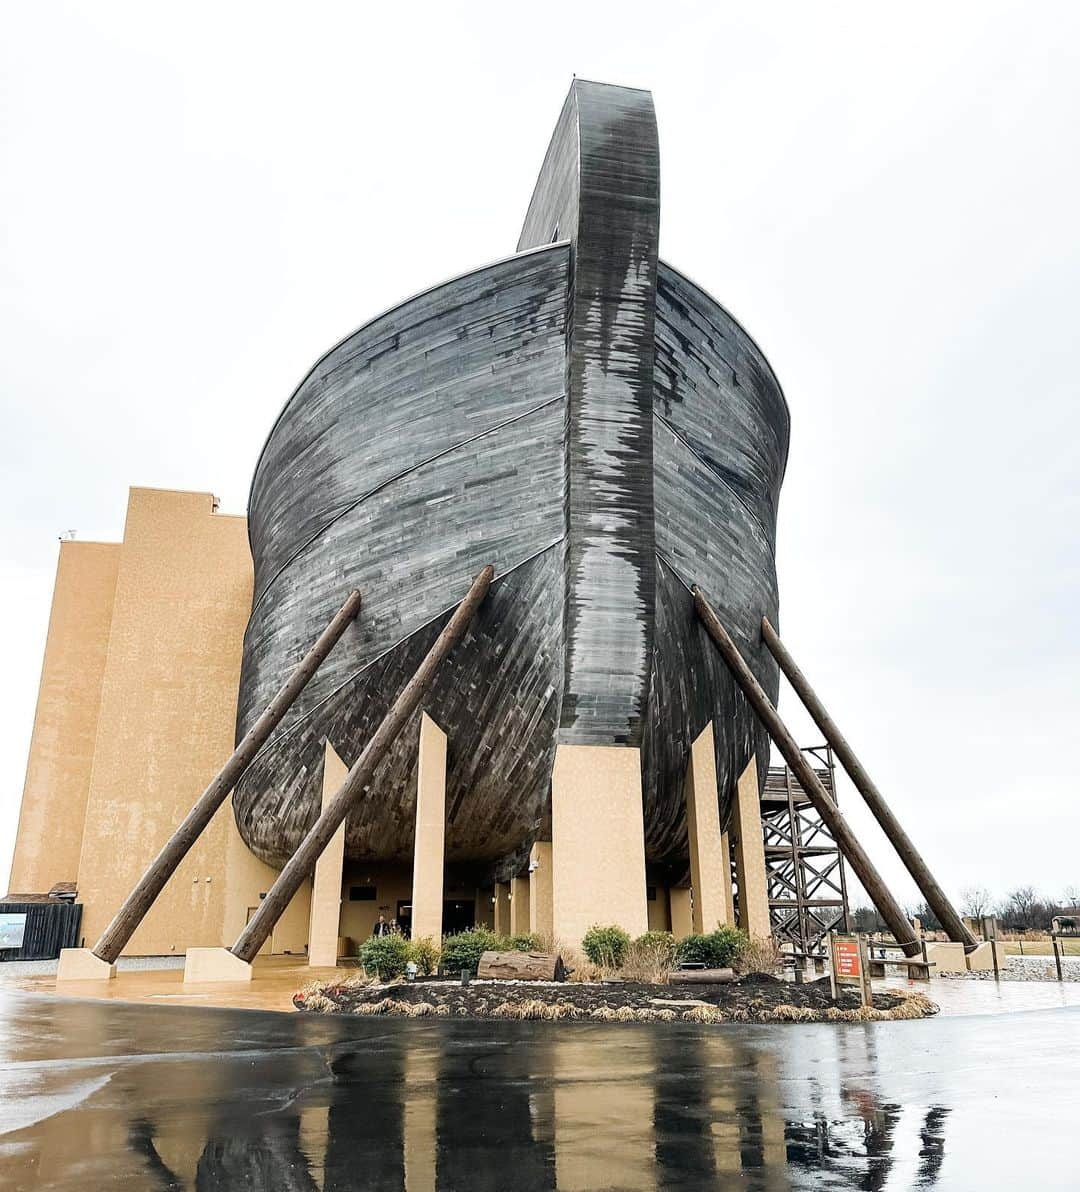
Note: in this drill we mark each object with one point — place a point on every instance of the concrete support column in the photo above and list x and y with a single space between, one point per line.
682 920
485 910
729 893
326 884
710 871
541 910
598 841
745 828
502 908
519 906
428 848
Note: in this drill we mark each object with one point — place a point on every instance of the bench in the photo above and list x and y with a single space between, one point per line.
918 969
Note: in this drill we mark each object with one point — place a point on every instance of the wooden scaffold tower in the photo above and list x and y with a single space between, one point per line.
803 864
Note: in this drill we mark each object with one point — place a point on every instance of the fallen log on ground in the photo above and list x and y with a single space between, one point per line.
521 966
719 976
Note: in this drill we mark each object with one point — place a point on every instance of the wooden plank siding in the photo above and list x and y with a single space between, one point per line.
595 425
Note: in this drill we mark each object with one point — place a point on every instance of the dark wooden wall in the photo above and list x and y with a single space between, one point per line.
424 446
600 184
583 417
50 926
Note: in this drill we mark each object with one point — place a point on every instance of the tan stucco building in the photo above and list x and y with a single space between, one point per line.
136 712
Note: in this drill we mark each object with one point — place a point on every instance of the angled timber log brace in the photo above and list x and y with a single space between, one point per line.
935 896
887 906
152 882
302 862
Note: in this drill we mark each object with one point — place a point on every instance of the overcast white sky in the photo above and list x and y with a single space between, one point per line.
198 200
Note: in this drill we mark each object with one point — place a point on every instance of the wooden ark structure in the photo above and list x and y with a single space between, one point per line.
511 627
593 424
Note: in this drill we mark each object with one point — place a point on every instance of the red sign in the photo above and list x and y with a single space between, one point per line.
848 966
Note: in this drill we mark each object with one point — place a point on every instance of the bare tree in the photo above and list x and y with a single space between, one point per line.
1023 909
975 901
1072 897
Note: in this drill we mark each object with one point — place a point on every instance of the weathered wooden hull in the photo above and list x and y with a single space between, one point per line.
590 422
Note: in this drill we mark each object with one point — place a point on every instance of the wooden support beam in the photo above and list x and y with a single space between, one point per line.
889 909
301 863
152 882
933 893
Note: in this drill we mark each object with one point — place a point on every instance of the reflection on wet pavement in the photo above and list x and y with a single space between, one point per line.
96 1093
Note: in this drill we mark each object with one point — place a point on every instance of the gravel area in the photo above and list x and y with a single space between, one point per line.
1025 968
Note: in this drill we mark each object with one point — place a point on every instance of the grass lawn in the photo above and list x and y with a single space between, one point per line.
1038 947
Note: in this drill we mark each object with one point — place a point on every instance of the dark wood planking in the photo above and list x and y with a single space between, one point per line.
410 495
600 185
720 448
499 692
406 703
374 475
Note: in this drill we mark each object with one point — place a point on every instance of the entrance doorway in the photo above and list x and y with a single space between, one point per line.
457 915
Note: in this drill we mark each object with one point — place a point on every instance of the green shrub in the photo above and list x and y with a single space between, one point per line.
463 951
606 946
424 955
386 955
520 943
719 949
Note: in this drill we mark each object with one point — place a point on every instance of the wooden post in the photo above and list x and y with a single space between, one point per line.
889 909
301 863
152 882
882 812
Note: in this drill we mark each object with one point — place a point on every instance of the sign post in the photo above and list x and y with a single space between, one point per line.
849 964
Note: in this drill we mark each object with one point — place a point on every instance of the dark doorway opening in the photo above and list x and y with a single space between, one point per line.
458 916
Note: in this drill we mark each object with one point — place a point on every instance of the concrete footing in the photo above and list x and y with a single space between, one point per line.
981 960
214 964
947 958
80 964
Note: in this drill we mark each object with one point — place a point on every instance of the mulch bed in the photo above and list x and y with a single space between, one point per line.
757 997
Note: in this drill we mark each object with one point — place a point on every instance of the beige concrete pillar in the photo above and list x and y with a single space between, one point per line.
485 909
502 908
745 828
598 841
519 906
729 893
709 872
541 909
428 849
682 919
326 884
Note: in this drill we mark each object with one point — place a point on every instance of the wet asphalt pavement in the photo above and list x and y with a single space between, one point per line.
96 1094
